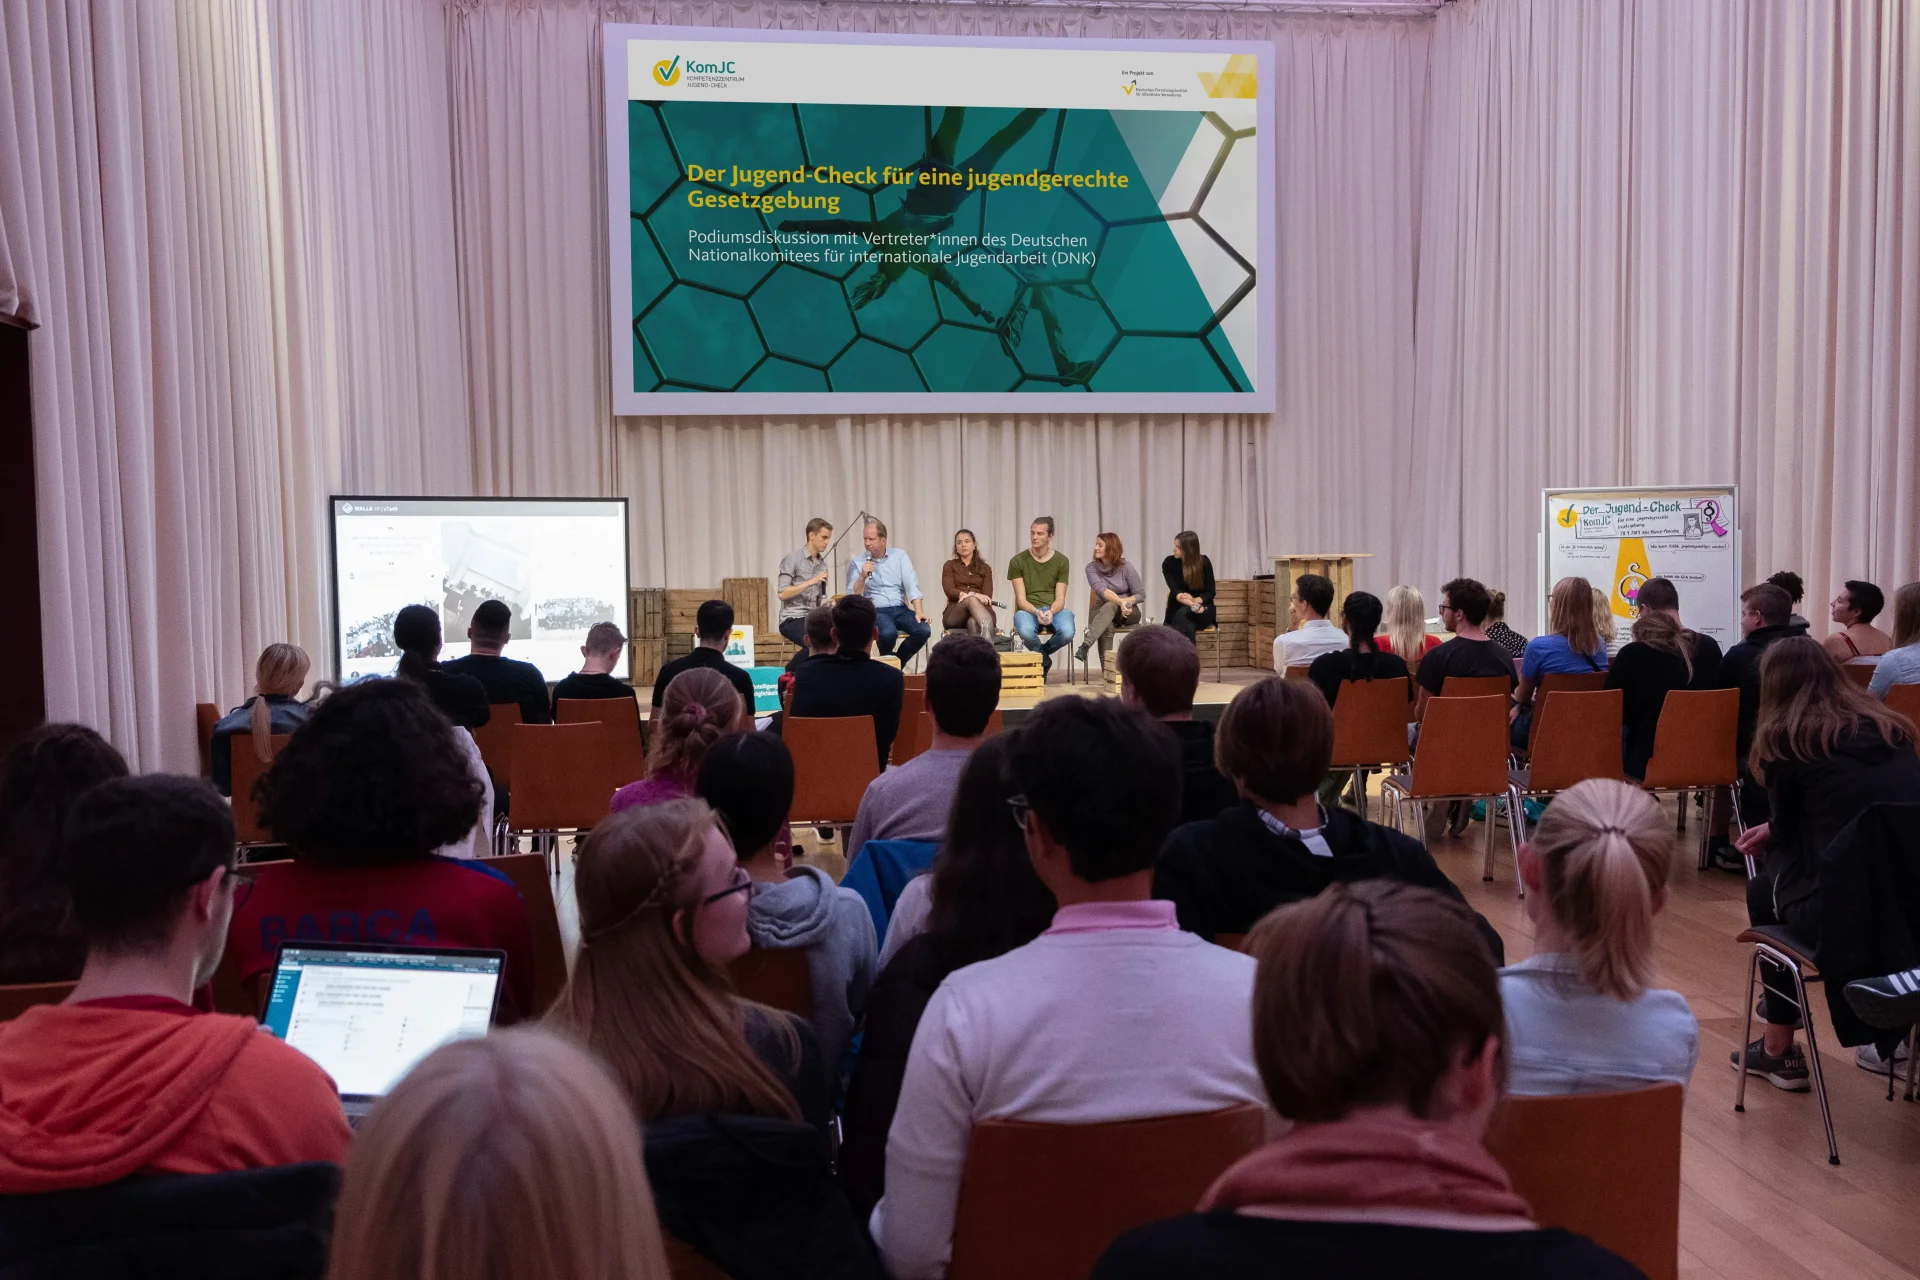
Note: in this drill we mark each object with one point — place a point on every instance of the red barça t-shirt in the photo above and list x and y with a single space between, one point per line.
424 902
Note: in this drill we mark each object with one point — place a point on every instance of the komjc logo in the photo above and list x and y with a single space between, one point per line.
667 71
1569 518
1129 87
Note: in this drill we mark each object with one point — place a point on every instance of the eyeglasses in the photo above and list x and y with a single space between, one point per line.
741 883
242 887
1447 608
1020 809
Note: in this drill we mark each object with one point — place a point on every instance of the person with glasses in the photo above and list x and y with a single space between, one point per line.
127 1077
364 794
1463 612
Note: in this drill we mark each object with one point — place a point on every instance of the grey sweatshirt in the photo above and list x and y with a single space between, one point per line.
809 910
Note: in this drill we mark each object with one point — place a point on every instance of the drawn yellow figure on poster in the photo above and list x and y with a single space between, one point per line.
1630 569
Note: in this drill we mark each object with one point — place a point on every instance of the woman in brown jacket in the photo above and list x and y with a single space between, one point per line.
968 583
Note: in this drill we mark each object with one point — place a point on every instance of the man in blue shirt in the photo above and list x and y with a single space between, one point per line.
887 578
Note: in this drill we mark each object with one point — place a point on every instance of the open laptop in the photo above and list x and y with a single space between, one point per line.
367 1012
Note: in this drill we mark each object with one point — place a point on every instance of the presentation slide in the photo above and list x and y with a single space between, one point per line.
559 564
914 224
1618 538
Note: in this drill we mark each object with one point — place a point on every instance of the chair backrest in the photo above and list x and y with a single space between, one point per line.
495 739
1560 682
906 741
528 871
1605 1165
247 769
833 761
1043 1201
915 680
1905 698
1861 673
1231 941
1580 740
1296 671
1463 748
16 1000
561 780
777 977
1370 722
626 756
684 1262
1475 686
205 716
1696 741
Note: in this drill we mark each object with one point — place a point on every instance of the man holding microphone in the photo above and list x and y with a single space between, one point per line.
802 584
887 578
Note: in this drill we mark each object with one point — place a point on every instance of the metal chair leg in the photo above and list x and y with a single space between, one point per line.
1913 1057
1746 1037
1486 870
1813 1061
1514 807
1686 798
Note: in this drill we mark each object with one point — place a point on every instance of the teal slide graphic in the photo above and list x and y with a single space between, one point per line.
797 248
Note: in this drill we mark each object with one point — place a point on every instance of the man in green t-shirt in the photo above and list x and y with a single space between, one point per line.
1039 578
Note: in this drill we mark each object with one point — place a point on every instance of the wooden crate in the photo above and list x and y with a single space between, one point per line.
647 659
1228 640
678 644
683 607
1021 674
1260 647
647 614
1232 600
772 649
748 596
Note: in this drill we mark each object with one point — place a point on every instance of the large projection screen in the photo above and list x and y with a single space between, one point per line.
838 222
560 565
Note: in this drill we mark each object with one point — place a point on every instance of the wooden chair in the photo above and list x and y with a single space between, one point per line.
495 740
205 716
1231 941
1774 945
915 680
1213 631
528 871
1694 749
16 1000
1297 671
1604 1165
684 1262
560 782
1369 730
1462 756
1476 687
834 758
1859 673
913 705
777 977
247 770
626 759
1560 682
1905 698
1043 1201
1579 741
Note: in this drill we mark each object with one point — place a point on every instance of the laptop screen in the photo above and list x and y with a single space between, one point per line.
367 1014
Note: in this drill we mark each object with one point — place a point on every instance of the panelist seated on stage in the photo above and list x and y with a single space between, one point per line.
1115 595
598 657
712 626
505 679
967 581
850 682
1189 578
802 584
1039 578
886 577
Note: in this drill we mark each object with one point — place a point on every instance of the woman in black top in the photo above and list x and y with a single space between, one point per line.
1657 660
1189 578
986 902
1362 659
461 698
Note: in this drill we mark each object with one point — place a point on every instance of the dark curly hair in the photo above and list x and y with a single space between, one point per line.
46 771
373 776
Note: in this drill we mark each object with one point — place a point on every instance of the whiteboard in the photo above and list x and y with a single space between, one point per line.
1618 538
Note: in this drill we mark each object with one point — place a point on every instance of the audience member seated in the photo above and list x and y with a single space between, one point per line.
47 769
505 679
1497 629
1582 1014
1280 844
1763 622
1406 635
1114 1013
127 1077
364 794
1313 635
1190 586
712 628
748 780
730 1095
1658 660
1901 664
849 682
1160 673
275 707
461 698
598 657
701 705
511 1155
1604 623
1463 612
1789 582
1853 611
1363 658
911 801
1824 749
1573 645
989 901
1658 595
1377 1026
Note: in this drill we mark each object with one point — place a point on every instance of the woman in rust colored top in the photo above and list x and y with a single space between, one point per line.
968 583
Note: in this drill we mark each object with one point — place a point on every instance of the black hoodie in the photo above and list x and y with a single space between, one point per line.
1203 792
1811 800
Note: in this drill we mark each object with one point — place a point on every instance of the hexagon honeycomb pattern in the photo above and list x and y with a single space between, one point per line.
1160 299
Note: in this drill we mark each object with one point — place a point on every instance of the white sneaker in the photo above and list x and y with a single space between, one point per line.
1868 1058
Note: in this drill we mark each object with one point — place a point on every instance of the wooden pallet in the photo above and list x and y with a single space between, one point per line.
647 657
677 645
683 607
1233 600
748 596
647 613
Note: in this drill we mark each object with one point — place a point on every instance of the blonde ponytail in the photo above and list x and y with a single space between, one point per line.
282 670
1605 854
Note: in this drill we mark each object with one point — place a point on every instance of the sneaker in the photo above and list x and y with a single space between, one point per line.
1867 1058
1788 1071
1724 857
1890 1001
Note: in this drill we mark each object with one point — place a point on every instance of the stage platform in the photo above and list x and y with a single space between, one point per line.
1209 700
